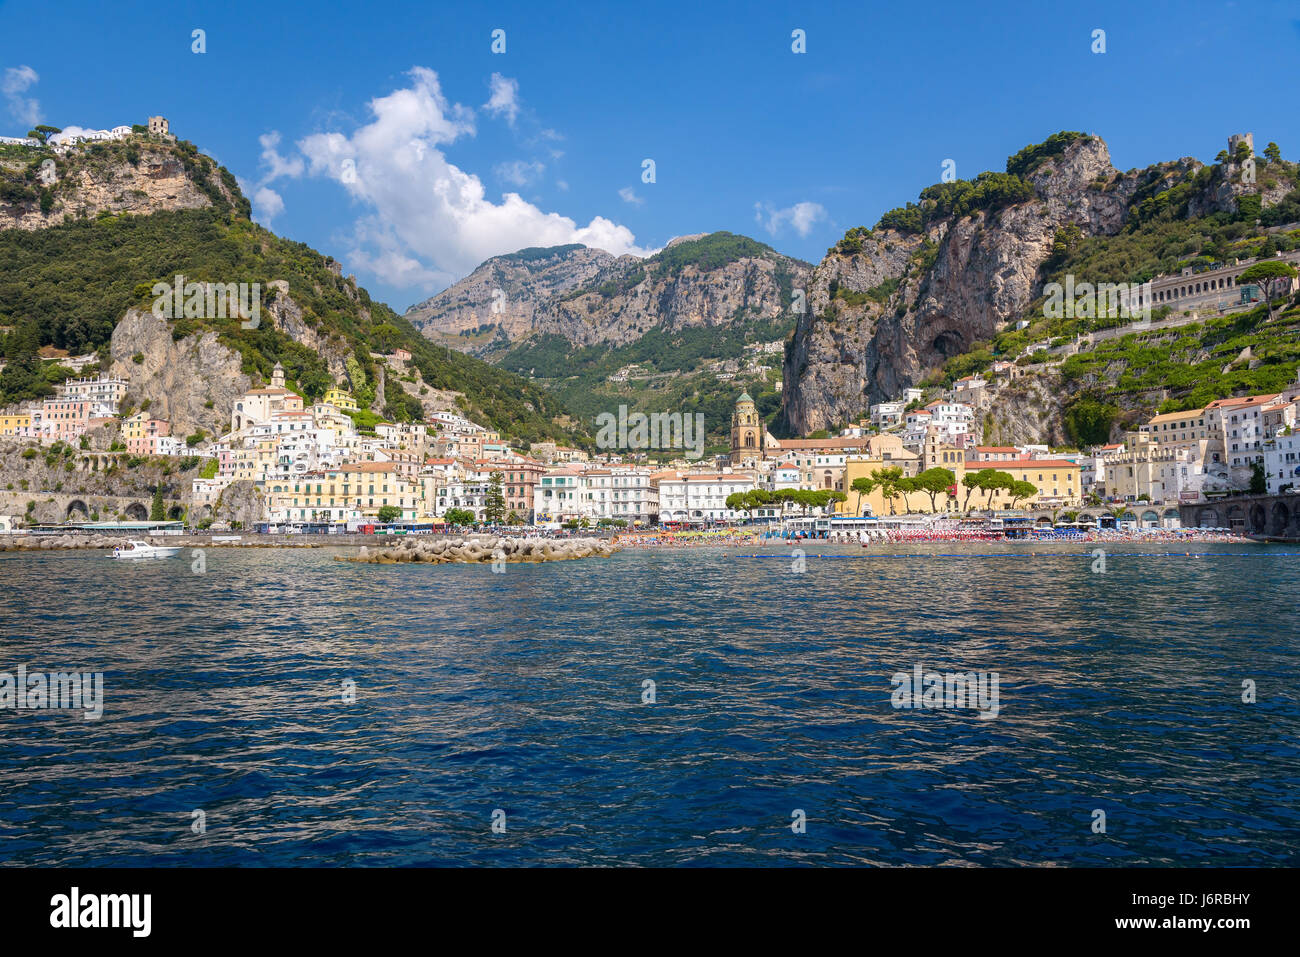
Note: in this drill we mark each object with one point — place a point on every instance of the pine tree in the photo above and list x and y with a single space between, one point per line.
494 508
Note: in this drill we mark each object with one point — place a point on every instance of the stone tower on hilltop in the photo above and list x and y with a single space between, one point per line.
746 433
158 126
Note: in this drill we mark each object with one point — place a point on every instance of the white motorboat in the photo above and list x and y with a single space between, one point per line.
139 549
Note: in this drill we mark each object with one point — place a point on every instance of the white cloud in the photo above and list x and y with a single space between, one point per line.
276 164
801 216
25 109
268 203
519 172
430 221
628 195
504 98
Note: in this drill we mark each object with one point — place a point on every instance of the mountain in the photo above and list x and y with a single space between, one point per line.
933 290
587 296
684 330
79 259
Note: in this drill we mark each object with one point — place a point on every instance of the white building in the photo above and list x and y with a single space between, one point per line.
104 391
627 494
886 415
557 497
1238 424
696 498
1282 462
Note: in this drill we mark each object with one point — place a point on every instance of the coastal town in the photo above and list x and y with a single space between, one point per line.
912 461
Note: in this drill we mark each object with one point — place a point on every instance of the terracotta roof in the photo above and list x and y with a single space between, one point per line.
795 445
1242 400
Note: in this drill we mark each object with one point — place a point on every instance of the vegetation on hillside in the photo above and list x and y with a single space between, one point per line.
673 365
988 192
706 254
68 285
20 170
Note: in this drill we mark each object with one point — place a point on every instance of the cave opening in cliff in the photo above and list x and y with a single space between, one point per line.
948 344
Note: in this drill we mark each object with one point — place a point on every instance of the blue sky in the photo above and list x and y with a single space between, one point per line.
391 136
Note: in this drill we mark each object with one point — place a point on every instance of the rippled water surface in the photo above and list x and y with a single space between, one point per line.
523 692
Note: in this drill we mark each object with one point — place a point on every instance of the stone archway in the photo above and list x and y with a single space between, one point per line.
1208 518
1236 518
137 512
1258 519
176 513
1279 519
76 511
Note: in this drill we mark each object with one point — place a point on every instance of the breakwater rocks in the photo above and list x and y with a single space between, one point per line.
485 550
35 543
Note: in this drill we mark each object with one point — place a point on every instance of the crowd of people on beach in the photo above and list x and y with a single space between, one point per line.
750 537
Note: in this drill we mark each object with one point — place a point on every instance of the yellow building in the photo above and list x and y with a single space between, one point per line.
330 417
335 495
341 399
254 464
1181 430
10 424
1058 483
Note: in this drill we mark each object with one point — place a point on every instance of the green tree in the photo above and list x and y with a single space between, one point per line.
1273 153
389 513
1273 277
157 512
1020 489
1258 481
932 482
863 485
997 482
1088 421
891 483
494 507
459 516
973 482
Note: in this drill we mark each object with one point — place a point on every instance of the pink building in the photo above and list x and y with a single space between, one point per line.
65 418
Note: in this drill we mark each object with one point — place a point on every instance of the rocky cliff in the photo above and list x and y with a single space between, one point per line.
192 382
890 305
588 296
140 174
